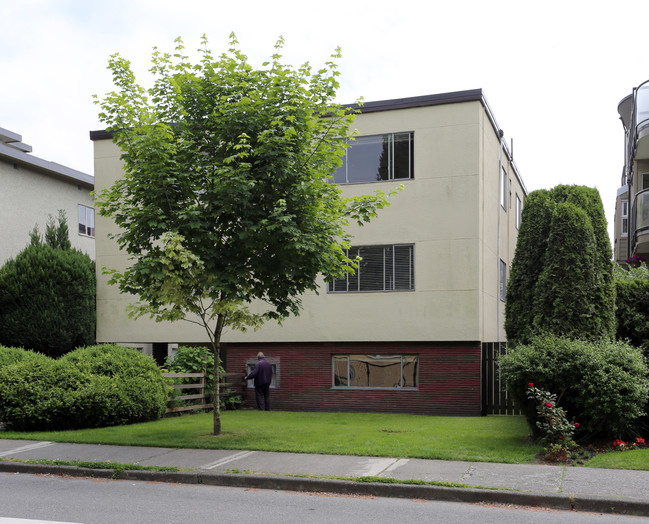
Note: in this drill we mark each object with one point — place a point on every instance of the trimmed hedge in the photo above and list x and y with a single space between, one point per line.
96 386
10 355
602 385
632 306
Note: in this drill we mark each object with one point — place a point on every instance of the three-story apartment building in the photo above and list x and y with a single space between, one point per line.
407 332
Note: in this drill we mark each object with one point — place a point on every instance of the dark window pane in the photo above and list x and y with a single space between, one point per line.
370 269
388 267
340 175
404 268
403 149
367 160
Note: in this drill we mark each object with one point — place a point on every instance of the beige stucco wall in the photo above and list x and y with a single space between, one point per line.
28 198
450 211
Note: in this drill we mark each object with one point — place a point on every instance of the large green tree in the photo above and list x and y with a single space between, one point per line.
226 206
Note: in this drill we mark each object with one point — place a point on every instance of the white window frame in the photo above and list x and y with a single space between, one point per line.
519 211
88 214
624 215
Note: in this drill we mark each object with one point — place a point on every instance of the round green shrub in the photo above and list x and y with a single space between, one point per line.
47 300
137 390
39 394
96 386
602 385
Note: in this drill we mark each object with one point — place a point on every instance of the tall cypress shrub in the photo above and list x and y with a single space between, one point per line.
527 265
568 289
528 313
589 199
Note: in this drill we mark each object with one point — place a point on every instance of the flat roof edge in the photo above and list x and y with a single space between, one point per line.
471 95
49 168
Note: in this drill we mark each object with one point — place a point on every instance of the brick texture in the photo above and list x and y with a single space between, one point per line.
449 377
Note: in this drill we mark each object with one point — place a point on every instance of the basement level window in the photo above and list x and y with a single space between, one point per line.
375 371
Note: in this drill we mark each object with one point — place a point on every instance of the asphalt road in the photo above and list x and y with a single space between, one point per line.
91 501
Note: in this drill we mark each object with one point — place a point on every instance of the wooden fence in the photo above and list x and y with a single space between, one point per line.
203 398
495 399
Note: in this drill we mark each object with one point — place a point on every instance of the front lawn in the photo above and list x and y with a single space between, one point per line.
482 439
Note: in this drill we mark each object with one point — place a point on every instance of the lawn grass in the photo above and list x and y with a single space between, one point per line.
630 459
482 439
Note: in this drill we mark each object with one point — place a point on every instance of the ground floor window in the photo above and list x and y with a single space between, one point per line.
274 361
375 371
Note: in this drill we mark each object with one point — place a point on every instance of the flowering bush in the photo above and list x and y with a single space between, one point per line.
636 261
603 385
552 420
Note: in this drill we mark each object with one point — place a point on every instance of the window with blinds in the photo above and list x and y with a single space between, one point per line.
380 268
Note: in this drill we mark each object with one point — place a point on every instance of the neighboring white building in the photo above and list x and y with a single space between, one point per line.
32 190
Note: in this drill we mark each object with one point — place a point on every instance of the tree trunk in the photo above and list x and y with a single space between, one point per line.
216 350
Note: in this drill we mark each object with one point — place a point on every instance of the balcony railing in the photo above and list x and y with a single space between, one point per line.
639 216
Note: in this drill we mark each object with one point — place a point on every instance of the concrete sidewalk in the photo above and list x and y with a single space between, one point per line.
561 487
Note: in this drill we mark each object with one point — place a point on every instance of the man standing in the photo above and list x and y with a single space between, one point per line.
263 375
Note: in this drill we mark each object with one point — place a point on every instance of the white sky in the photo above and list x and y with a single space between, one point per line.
553 72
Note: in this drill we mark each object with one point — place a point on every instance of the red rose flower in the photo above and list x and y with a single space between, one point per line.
548 404
576 424
531 384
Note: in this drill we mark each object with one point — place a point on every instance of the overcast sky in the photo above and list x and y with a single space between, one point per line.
553 72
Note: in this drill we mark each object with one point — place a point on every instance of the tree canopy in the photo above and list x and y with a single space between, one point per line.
226 206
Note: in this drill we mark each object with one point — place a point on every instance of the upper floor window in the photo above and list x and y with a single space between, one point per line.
503 188
376 158
503 280
86 221
625 218
380 268
519 211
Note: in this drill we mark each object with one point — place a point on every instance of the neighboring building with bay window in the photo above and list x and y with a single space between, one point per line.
631 233
407 332
32 190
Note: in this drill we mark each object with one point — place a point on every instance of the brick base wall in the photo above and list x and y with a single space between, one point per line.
449 377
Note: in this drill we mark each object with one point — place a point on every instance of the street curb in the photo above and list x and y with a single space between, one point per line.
564 502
